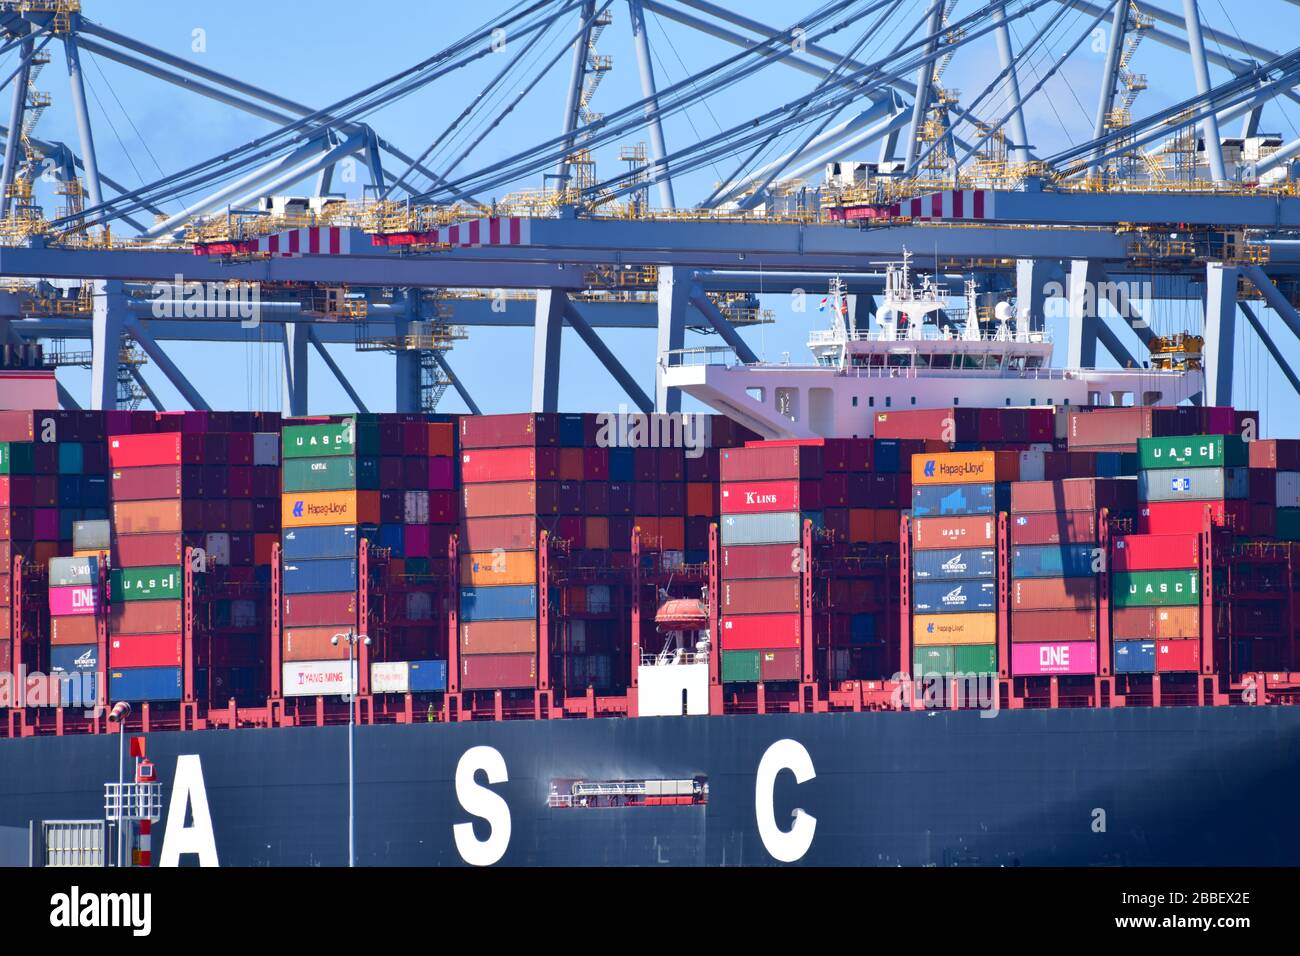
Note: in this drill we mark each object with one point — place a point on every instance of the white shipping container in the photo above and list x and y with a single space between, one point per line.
672 560
417 507
1033 466
266 448
217 545
1288 489
319 678
419 606
390 677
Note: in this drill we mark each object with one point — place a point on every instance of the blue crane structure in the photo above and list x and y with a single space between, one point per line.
428 251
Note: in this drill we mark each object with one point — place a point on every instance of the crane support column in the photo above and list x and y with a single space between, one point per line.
1210 124
1032 276
674 293
924 77
107 324
548 329
573 101
1110 71
89 162
295 367
16 111
721 325
659 173
1220 331
1011 86
1267 341
407 360
1085 277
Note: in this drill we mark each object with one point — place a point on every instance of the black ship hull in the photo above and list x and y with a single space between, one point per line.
1163 786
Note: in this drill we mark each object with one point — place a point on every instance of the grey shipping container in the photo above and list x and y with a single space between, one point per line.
780 527
954 563
73 572
90 535
1193 484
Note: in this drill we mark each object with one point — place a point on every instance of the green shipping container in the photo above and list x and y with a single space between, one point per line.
740 667
15 458
976 658
318 441
163 583
933 659
338 473
1288 524
1193 451
72 459
1155 588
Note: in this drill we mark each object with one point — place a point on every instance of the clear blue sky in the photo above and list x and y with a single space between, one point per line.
321 51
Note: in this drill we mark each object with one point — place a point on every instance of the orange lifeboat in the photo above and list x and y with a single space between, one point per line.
682 614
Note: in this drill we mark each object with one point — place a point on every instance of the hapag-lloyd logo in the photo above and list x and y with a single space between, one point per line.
208 300
319 509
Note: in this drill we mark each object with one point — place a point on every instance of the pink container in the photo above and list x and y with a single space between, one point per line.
416 541
1028 660
440 474
67 602
45 524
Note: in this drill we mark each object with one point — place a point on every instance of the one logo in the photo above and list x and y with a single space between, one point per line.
929 468
297 509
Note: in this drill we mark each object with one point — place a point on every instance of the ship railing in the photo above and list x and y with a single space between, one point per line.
834 337
708 355
668 659
609 788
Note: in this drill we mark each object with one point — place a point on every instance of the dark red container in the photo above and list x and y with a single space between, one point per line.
779 664
1282 454
513 533
145 550
672 499
77 629
762 596
508 498
1074 494
771 461
938 424
703 468
669 465
758 561
595 498
1156 552
1064 527
1064 624
621 495
317 610
645 498
497 671
847 454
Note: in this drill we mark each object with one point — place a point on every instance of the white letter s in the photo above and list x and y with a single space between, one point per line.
482 802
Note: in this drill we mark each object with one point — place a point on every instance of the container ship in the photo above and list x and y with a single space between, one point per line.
1054 627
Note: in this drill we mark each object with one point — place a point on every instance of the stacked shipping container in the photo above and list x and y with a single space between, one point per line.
768 490
956 498
74 597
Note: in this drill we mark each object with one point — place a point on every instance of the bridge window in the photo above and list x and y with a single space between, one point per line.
871 401
888 401
913 399
940 361
855 401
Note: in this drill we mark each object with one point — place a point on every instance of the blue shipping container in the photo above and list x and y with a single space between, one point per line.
620 465
512 602
74 658
956 563
79 690
1135 657
427 675
320 576
145 683
888 456
393 536
72 458
69 491
94 493
571 431
954 597
328 542
929 500
862 629
1053 561
1116 464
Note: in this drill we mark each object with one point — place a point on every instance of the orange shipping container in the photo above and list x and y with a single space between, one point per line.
862 525
576 596
42 551
701 499
317 508
313 644
480 568
498 637
1155 623
887 522
146 517
969 531
597 532
673 533
965 467
442 439
942 629
262 545
1048 594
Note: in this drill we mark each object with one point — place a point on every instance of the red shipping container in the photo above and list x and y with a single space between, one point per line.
758 561
832 491
6 654
442 507
317 610
703 468
770 461
1156 552
509 464
145 550
1178 656
669 464
595 498
848 454
645 498
939 424
1066 527
1117 428
508 498
19 425
146 517
1071 625
239 482
968 531
497 671
752 632
138 451
1152 623
779 665
1188 517
836 521
509 431
571 528
498 637
645 464
144 650
144 617
415 438
1074 494
762 596
764 496
45 489
415 541
595 464
81 629
514 533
